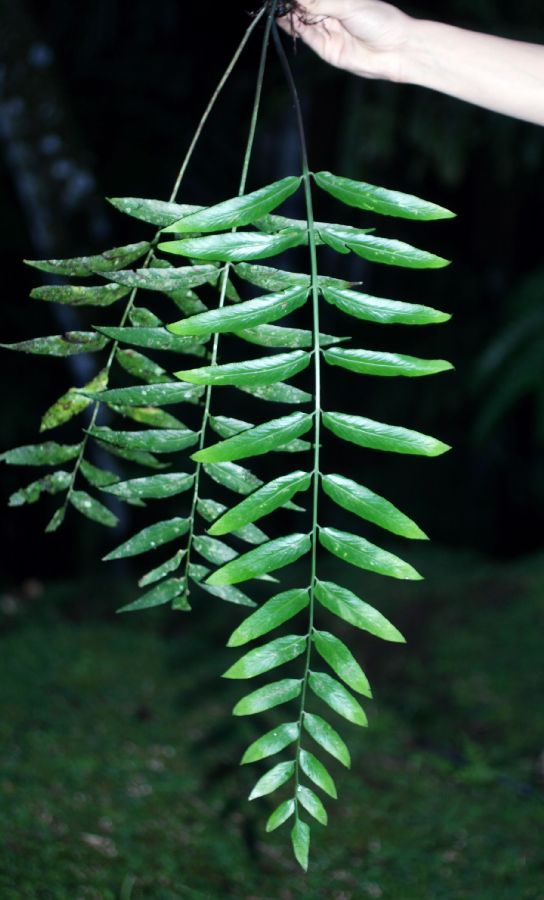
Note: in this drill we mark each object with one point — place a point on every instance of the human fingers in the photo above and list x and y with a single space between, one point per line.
322 37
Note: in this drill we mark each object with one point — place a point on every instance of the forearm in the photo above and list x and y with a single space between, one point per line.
502 75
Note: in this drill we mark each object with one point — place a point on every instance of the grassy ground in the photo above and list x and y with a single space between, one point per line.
118 757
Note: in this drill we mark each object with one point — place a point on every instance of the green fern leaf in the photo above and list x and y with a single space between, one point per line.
341 661
278 393
367 362
84 266
72 403
96 477
379 436
267 558
234 247
154 212
271 279
324 735
273 779
284 812
140 457
337 697
265 500
269 697
381 250
380 200
141 367
312 804
267 657
271 743
226 427
244 315
239 211
364 555
153 338
163 593
75 295
367 505
382 311
69 344
150 538
160 572
93 509
316 772
152 487
252 373
300 839
258 440
148 415
49 484
271 615
48 454
149 395
350 608
165 279
291 338
161 440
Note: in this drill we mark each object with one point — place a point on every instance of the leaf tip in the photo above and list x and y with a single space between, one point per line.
235 640
442 448
413 575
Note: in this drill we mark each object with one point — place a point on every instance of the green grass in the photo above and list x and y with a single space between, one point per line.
118 756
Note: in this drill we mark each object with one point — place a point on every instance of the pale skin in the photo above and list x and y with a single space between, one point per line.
376 40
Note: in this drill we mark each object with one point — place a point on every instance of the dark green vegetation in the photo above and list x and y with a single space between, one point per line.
119 759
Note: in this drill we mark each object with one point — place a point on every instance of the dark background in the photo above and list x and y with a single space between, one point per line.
102 100
110 103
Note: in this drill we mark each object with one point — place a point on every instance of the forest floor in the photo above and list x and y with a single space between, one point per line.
118 756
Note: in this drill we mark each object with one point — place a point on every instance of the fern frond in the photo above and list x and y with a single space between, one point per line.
324 677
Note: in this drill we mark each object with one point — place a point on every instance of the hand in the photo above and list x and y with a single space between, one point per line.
366 37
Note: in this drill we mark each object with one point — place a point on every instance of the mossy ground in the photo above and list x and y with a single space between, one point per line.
118 756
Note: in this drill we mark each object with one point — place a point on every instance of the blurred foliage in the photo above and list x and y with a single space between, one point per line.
511 368
121 781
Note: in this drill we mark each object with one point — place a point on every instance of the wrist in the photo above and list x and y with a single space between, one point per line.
399 61
418 56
